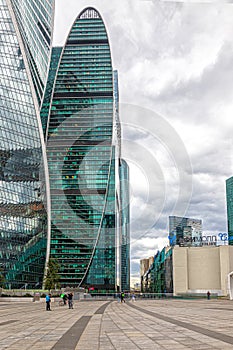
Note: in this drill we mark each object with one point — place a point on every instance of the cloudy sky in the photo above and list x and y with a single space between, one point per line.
175 65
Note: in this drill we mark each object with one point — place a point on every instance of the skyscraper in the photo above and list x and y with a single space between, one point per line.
124 226
123 198
81 155
229 195
25 35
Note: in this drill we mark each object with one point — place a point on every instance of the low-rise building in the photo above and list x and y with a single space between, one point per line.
191 271
158 277
144 267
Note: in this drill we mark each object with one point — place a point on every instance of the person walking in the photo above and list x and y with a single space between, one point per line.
208 295
122 297
48 301
133 297
70 300
64 299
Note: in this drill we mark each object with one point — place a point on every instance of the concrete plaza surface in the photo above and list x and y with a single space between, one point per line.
106 325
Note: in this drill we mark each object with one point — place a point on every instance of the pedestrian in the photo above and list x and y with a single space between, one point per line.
118 297
208 295
48 301
70 300
64 299
133 297
122 297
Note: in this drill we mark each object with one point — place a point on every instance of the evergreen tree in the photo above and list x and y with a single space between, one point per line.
2 278
52 277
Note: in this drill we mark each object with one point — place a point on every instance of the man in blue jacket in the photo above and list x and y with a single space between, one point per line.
48 301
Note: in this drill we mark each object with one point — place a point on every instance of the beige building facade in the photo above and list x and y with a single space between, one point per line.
145 264
197 270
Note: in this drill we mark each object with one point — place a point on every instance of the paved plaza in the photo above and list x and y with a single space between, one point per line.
106 325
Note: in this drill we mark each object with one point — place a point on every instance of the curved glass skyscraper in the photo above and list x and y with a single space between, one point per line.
81 157
25 35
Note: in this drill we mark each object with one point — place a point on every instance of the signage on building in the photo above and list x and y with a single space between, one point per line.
219 239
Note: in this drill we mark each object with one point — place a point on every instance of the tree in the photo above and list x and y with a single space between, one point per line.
52 277
2 278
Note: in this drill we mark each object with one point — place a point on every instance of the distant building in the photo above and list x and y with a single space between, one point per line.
158 278
144 267
185 231
124 226
229 193
136 287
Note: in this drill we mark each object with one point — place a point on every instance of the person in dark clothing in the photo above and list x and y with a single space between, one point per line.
208 295
70 300
64 299
122 297
48 301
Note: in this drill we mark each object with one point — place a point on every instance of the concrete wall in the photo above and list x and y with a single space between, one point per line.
199 269
203 268
180 270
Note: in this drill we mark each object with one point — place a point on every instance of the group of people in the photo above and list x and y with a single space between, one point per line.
66 297
121 297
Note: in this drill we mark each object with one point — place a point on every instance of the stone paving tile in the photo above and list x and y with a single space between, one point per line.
119 327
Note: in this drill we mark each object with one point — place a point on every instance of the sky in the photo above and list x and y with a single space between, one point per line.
175 66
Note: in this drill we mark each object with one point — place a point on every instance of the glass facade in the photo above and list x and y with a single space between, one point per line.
159 276
185 231
23 223
81 157
123 212
124 226
45 109
34 20
229 192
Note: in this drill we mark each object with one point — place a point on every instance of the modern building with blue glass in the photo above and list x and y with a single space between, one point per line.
185 231
124 226
78 118
25 33
229 195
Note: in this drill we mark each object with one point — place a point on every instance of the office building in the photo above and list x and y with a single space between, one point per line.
80 113
124 226
25 32
185 231
145 266
229 195
158 278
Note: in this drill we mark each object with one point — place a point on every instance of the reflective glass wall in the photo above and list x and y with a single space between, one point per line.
81 158
23 223
124 226
229 192
35 22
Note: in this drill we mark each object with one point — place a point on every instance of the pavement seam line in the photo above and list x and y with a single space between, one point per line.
212 334
72 336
